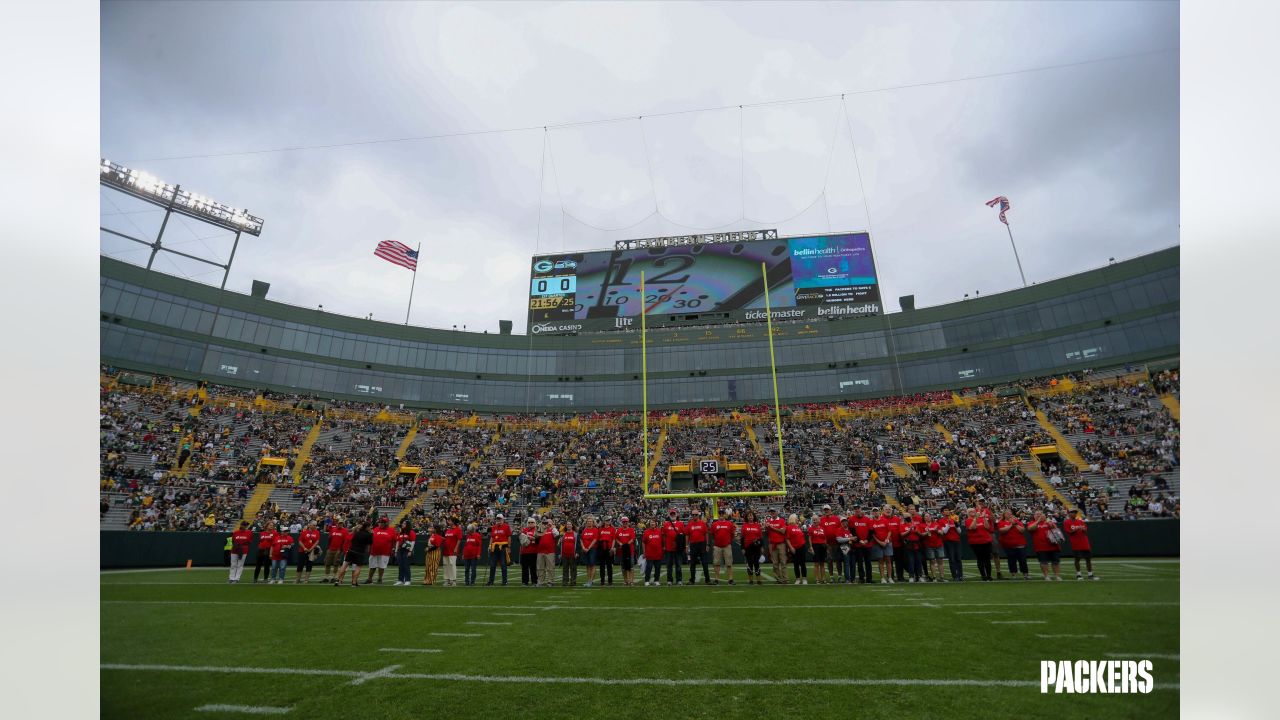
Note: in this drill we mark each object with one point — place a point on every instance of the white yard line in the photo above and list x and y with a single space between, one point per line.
444 634
389 673
1144 656
411 650
247 709
477 622
513 614
1069 636
983 612
1019 622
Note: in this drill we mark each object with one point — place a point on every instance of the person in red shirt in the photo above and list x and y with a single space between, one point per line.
978 532
1013 540
241 541
589 537
625 549
449 552
933 552
308 548
797 546
1078 536
830 524
431 561
384 543
752 546
983 509
722 532
406 536
697 533
895 539
949 525
654 549
882 544
548 534
499 549
912 538
776 529
339 543
568 556
857 564
280 545
604 551
471 546
263 564
1044 540
673 543
529 553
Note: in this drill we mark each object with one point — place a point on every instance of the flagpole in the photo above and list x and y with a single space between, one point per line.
415 280
1015 253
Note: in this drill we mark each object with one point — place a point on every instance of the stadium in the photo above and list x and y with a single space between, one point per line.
720 473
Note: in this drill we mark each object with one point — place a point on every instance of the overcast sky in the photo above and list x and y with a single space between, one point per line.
1088 155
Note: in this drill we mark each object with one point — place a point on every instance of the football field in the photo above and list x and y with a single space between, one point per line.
184 643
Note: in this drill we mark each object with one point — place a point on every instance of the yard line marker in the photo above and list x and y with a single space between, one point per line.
442 634
411 650
513 614
388 673
1069 636
249 709
1019 622
983 612
929 605
1158 656
476 622
365 677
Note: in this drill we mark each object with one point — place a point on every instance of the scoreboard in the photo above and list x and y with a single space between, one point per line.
809 277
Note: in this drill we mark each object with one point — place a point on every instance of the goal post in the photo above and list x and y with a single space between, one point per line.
644 400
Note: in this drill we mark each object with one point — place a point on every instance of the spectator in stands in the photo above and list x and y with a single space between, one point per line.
1045 539
357 553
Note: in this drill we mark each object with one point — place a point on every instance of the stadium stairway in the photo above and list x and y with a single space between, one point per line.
755 443
655 453
261 493
945 433
1172 405
1065 448
408 440
1030 467
304 452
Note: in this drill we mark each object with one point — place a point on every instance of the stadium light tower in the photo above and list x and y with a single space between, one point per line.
174 199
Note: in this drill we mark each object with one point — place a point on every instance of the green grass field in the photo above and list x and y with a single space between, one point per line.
172 639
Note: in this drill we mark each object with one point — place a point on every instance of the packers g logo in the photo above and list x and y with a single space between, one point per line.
543 266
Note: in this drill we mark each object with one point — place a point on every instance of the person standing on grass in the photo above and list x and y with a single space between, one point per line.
1013 539
818 545
589 537
949 525
697 532
339 543
242 539
895 539
1045 541
499 548
933 552
625 550
776 529
859 525
882 545
654 545
752 546
280 557
604 550
405 539
846 553
796 547
978 531
722 532
384 543
265 539
435 548
452 541
911 546
985 510
673 546
308 548
358 545
568 556
529 552
1077 534
547 536
830 525
471 554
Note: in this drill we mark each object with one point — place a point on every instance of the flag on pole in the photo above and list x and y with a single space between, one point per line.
1004 207
398 253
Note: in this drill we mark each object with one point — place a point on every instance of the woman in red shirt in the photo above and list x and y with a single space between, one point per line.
280 557
1044 540
796 541
753 546
818 541
568 556
406 536
1013 540
471 554
933 552
978 532
308 551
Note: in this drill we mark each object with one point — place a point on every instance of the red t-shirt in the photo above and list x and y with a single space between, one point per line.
911 531
452 538
280 545
818 534
980 532
934 538
308 539
607 533
1011 535
1040 537
568 546
777 530
670 532
860 527
625 535
500 533
653 544
722 532
951 531
795 536
895 531
547 543
265 538
240 542
530 547
383 540
881 528
751 533
471 546
339 538
409 537
1077 533
697 529
589 535
434 541
830 525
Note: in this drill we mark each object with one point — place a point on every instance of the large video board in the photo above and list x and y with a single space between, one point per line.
814 276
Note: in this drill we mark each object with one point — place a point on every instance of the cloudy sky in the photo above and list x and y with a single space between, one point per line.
207 95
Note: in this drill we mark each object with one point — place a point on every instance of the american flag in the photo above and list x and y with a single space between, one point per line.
398 253
1004 207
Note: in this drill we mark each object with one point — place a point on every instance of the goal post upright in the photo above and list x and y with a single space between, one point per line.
773 372
644 386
